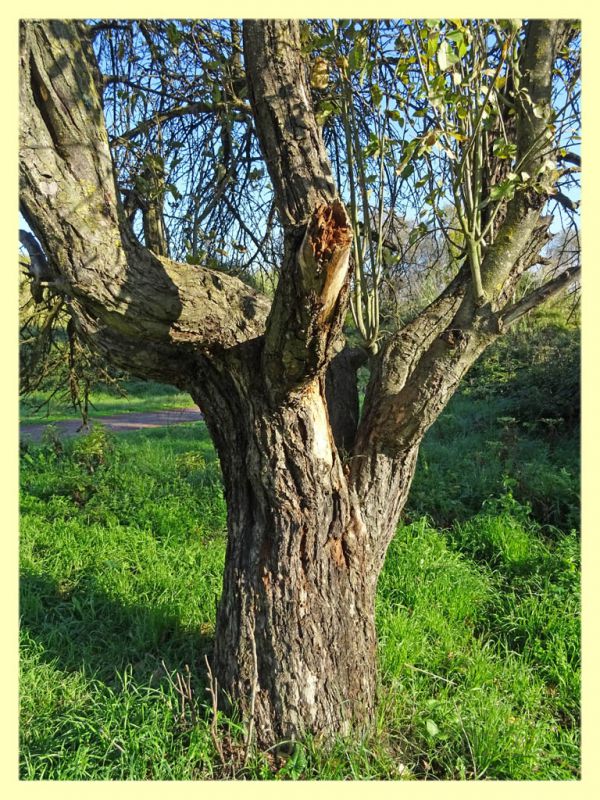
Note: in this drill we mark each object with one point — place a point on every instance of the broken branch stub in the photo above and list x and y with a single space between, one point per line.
329 231
310 302
324 255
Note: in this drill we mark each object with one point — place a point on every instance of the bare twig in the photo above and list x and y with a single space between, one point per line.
188 685
431 674
213 689
183 687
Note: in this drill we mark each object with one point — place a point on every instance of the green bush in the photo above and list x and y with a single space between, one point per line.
94 449
538 370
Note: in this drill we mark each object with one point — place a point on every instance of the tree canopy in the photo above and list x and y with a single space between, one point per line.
419 120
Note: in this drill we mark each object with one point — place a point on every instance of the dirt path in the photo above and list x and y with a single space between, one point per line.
120 423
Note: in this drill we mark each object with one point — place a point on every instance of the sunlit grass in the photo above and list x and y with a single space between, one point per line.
121 571
140 396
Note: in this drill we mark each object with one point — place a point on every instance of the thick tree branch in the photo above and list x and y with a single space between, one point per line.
514 312
530 255
510 252
310 302
534 107
289 136
160 311
341 389
413 380
312 293
420 367
404 348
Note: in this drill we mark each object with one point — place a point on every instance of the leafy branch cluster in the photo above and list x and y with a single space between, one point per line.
431 130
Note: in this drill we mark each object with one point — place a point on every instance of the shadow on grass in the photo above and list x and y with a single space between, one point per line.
79 627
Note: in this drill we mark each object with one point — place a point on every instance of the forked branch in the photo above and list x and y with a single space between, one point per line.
148 313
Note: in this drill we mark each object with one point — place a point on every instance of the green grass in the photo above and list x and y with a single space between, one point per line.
480 664
477 613
141 396
476 450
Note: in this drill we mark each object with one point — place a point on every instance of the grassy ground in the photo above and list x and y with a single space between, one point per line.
122 552
139 396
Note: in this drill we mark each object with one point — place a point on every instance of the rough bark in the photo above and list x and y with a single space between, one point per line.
295 638
341 391
298 590
288 132
147 313
313 493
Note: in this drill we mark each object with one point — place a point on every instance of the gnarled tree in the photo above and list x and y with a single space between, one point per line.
314 491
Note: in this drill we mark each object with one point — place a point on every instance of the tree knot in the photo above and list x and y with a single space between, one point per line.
453 337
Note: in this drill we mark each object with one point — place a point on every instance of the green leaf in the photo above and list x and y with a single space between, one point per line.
460 137
417 232
376 94
432 45
504 190
324 110
432 728
429 140
356 56
373 146
501 148
457 37
445 56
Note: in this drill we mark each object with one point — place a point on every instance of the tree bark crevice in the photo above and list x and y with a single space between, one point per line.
295 585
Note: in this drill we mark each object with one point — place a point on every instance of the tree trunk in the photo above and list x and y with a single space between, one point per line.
309 523
295 636
313 492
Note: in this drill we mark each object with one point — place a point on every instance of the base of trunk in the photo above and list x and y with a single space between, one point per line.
295 644
295 660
